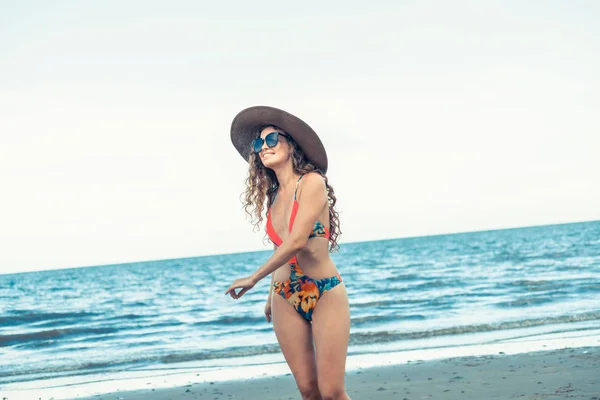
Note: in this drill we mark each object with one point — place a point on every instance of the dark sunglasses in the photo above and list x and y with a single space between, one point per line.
271 139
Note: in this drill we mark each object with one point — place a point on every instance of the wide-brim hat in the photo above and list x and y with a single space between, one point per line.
245 125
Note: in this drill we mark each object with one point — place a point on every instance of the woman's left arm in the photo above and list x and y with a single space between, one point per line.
310 205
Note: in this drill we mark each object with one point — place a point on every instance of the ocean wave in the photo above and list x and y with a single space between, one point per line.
387 303
358 321
518 257
435 284
139 359
405 277
229 320
356 338
531 284
590 287
230 352
20 317
52 334
26 374
360 338
529 301
127 317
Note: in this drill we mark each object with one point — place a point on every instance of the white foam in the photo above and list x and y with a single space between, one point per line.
89 385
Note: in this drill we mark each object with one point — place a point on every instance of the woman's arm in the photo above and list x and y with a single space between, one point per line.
310 205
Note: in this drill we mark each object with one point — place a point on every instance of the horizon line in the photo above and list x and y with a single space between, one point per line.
352 243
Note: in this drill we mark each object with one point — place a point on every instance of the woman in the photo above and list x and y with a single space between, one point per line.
308 301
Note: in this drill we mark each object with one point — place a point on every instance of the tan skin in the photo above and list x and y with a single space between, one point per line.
315 352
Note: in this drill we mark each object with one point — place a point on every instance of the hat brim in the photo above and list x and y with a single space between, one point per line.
245 125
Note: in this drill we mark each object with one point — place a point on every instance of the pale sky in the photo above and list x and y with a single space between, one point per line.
437 117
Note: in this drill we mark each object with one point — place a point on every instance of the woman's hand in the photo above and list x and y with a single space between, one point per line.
245 284
268 309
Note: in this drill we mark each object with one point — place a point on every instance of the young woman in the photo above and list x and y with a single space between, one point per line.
308 302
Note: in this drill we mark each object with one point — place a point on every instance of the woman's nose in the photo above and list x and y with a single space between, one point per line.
264 146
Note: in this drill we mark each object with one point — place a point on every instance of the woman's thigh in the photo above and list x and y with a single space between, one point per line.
331 332
295 338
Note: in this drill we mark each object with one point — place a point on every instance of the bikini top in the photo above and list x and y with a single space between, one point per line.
319 230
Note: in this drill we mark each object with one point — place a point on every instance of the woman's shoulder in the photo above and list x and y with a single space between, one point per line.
312 182
313 178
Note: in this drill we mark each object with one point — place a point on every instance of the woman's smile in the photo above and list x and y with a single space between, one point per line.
267 155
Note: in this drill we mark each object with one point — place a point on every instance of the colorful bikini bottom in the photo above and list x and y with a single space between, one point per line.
303 292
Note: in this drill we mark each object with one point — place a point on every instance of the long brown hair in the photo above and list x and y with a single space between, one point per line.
262 184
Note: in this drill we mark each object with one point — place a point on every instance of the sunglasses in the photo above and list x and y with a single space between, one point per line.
271 139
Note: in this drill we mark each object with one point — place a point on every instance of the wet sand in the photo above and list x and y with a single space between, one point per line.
556 374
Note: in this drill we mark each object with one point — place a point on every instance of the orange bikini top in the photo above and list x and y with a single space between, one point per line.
319 230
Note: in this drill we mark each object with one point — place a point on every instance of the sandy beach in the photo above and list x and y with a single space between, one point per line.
556 374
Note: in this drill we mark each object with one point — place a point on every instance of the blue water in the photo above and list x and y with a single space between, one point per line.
117 317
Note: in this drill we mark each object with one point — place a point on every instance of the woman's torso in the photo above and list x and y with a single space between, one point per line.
314 258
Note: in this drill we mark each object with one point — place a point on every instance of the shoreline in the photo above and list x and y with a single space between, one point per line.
363 372
557 374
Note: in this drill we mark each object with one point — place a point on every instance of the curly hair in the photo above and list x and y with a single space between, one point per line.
262 184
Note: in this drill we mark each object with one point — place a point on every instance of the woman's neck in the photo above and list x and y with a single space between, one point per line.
287 179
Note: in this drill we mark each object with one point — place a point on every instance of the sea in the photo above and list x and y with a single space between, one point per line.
424 296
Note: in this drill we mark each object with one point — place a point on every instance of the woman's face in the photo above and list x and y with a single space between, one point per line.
273 156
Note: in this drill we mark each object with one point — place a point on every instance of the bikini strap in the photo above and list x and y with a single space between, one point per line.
297 182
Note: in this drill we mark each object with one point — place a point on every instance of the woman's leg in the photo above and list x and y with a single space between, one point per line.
331 332
296 341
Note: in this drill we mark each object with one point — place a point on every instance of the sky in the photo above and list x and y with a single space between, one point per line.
437 117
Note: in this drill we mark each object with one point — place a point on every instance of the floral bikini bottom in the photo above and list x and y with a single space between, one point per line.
303 292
